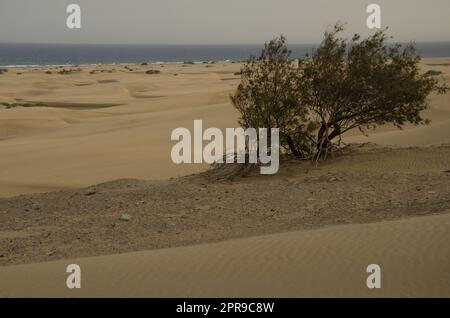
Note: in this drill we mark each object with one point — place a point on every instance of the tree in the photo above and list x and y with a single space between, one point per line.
268 97
362 84
344 85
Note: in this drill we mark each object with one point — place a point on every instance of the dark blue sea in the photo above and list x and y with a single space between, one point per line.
62 54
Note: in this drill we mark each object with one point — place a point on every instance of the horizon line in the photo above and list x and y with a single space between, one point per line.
204 44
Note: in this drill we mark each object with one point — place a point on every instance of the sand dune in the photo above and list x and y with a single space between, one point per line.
413 254
79 140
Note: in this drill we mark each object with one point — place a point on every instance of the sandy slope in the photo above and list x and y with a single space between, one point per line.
413 254
420 136
365 184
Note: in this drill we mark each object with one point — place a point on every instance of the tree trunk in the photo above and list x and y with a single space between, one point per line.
324 140
292 147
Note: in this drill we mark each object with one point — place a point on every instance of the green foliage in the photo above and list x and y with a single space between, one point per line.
363 84
344 85
268 96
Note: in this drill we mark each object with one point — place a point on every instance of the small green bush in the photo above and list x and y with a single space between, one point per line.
433 73
153 72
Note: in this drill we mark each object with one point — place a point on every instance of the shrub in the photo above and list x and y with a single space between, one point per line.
65 72
153 72
268 97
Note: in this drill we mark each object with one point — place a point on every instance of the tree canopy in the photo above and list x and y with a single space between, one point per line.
344 85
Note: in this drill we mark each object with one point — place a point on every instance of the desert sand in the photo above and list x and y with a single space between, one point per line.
413 255
79 141
303 232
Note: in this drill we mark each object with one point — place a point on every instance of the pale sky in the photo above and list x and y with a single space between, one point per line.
215 21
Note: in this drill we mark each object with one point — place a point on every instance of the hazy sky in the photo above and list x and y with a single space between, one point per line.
215 21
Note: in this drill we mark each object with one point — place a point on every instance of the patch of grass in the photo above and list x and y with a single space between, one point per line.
433 73
12 105
69 71
150 72
107 81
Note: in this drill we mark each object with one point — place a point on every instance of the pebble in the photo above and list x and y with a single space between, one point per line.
90 192
125 217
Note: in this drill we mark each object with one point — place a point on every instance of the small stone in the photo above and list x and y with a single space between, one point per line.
90 192
125 217
51 253
311 199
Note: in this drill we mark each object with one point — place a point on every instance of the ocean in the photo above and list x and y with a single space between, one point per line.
65 54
